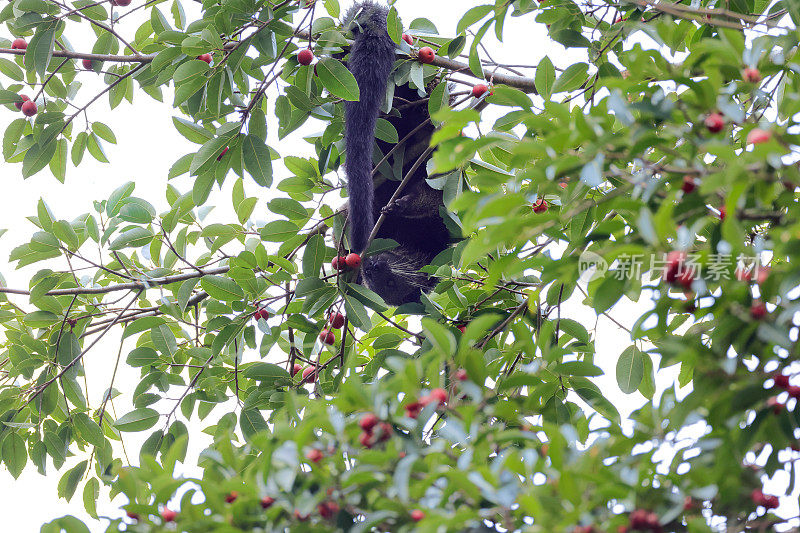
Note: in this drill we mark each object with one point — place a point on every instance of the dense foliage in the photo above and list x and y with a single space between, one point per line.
666 157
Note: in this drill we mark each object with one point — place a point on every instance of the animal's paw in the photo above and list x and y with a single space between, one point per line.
399 206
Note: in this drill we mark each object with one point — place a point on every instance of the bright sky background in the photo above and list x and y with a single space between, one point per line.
147 146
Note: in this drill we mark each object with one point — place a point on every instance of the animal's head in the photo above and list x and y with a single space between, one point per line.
395 276
366 18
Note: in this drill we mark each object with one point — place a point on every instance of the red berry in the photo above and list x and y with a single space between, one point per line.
299 516
751 75
19 44
771 502
29 108
652 521
440 395
417 515
168 515
336 320
132 515
205 57
338 263
714 122
540 206
781 380
639 519
742 274
562 184
794 391
231 497
366 440
723 212
353 261
305 56
88 64
762 274
309 375
461 375
413 409
426 55
758 310
462 328
757 496
384 431
688 503
295 369
266 502
776 406
25 98
757 136
479 90
314 455
121 3
367 422
327 509
689 185
407 38
674 266
222 153
327 337
686 278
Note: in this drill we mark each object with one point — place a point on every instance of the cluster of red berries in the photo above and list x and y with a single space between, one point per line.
676 272
350 261
314 455
328 510
782 382
643 520
436 395
765 500
689 185
335 321
261 312
540 206
373 430
309 372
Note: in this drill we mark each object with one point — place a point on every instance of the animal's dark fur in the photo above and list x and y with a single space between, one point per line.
414 219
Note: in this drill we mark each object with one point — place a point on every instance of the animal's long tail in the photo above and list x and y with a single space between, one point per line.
371 61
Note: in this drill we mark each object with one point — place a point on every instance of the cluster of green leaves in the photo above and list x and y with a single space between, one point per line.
528 436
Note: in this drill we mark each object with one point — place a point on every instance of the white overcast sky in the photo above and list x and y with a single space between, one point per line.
147 146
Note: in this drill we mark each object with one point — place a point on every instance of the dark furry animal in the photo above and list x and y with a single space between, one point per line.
413 220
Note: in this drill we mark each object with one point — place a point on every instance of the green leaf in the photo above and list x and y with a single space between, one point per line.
265 372
15 454
37 157
630 370
69 481
337 79
207 155
142 356
572 78
41 319
251 421
88 430
279 231
545 77
257 160
132 238
40 49
137 420
222 288
439 336
314 256
91 491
